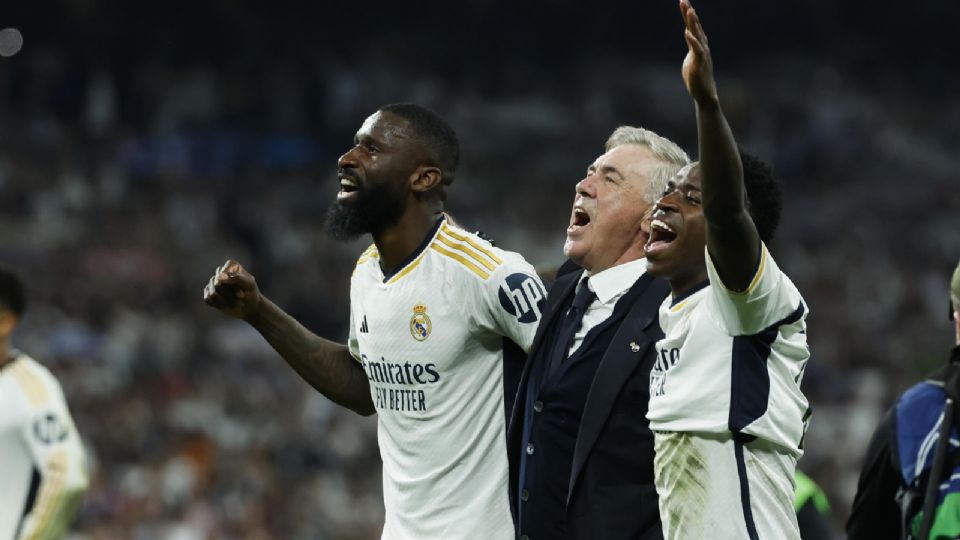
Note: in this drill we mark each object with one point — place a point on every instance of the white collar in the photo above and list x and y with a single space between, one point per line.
614 281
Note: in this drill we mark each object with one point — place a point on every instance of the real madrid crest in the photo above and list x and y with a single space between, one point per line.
420 324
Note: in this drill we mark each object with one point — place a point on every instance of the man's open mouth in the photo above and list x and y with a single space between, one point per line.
661 236
348 187
579 220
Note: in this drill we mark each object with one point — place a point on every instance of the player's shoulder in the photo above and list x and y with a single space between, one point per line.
35 381
369 254
475 257
367 264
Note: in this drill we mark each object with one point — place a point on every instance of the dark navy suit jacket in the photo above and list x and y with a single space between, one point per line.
611 494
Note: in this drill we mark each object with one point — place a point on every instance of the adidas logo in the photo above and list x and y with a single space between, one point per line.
364 329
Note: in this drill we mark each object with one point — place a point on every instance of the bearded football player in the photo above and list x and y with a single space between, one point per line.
433 311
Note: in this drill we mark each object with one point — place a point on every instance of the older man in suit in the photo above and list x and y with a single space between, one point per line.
580 448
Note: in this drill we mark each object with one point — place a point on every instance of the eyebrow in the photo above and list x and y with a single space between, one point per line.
606 169
368 137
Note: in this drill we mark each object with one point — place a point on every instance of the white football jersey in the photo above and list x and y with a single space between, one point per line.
727 378
41 456
431 340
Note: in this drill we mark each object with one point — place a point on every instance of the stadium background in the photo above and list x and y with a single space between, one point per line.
143 145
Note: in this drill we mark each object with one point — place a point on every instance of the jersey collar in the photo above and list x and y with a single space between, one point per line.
12 356
693 290
415 253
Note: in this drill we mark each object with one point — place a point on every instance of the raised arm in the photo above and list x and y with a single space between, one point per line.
328 366
732 238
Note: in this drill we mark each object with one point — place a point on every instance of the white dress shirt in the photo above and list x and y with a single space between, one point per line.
609 285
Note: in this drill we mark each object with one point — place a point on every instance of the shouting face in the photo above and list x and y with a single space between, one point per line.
606 223
373 177
675 249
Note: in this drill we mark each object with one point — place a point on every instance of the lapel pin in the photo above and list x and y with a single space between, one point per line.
634 347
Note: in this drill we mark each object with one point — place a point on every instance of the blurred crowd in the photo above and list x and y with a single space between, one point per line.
123 186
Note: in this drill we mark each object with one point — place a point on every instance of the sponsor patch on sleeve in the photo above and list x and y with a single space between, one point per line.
522 296
49 429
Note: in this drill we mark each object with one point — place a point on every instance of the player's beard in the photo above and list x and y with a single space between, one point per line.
372 211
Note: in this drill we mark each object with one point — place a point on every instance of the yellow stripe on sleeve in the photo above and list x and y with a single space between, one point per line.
493 257
753 282
51 493
461 259
467 251
368 254
756 278
30 383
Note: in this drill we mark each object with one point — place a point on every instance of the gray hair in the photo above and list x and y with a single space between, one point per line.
672 157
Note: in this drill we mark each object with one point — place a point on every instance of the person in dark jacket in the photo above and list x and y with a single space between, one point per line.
901 454
580 449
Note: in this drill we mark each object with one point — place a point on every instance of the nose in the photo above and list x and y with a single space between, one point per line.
348 159
585 187
667 203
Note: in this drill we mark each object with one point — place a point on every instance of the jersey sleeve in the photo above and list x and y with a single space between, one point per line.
771 299
49 434
513 300
352 344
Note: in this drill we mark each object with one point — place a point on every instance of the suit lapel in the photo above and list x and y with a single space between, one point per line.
631 343
559 291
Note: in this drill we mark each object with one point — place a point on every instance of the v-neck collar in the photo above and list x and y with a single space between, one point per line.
415 254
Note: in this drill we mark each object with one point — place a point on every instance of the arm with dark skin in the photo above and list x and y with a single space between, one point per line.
328 366
732 238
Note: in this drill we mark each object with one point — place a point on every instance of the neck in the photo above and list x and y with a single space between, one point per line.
5 353
682 285
398 242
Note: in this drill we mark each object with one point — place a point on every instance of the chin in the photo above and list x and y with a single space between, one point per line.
658 267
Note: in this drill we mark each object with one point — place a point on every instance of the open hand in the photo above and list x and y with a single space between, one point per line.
697 66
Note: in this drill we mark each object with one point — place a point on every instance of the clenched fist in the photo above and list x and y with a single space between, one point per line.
233 291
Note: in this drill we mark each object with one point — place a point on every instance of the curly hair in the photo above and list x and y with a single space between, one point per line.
12 296
764 195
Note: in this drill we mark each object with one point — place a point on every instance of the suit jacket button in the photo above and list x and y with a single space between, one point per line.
524 495
537 406
634 347
524 537
529 449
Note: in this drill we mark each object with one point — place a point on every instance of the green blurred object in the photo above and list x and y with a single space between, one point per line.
807 489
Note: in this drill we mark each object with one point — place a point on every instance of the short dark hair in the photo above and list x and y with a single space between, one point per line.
764 195
11 292
439 138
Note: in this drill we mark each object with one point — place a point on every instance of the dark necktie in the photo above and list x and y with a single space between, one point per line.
570 325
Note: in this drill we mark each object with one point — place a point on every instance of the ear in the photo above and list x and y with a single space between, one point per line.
425 178
8 321
645 224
